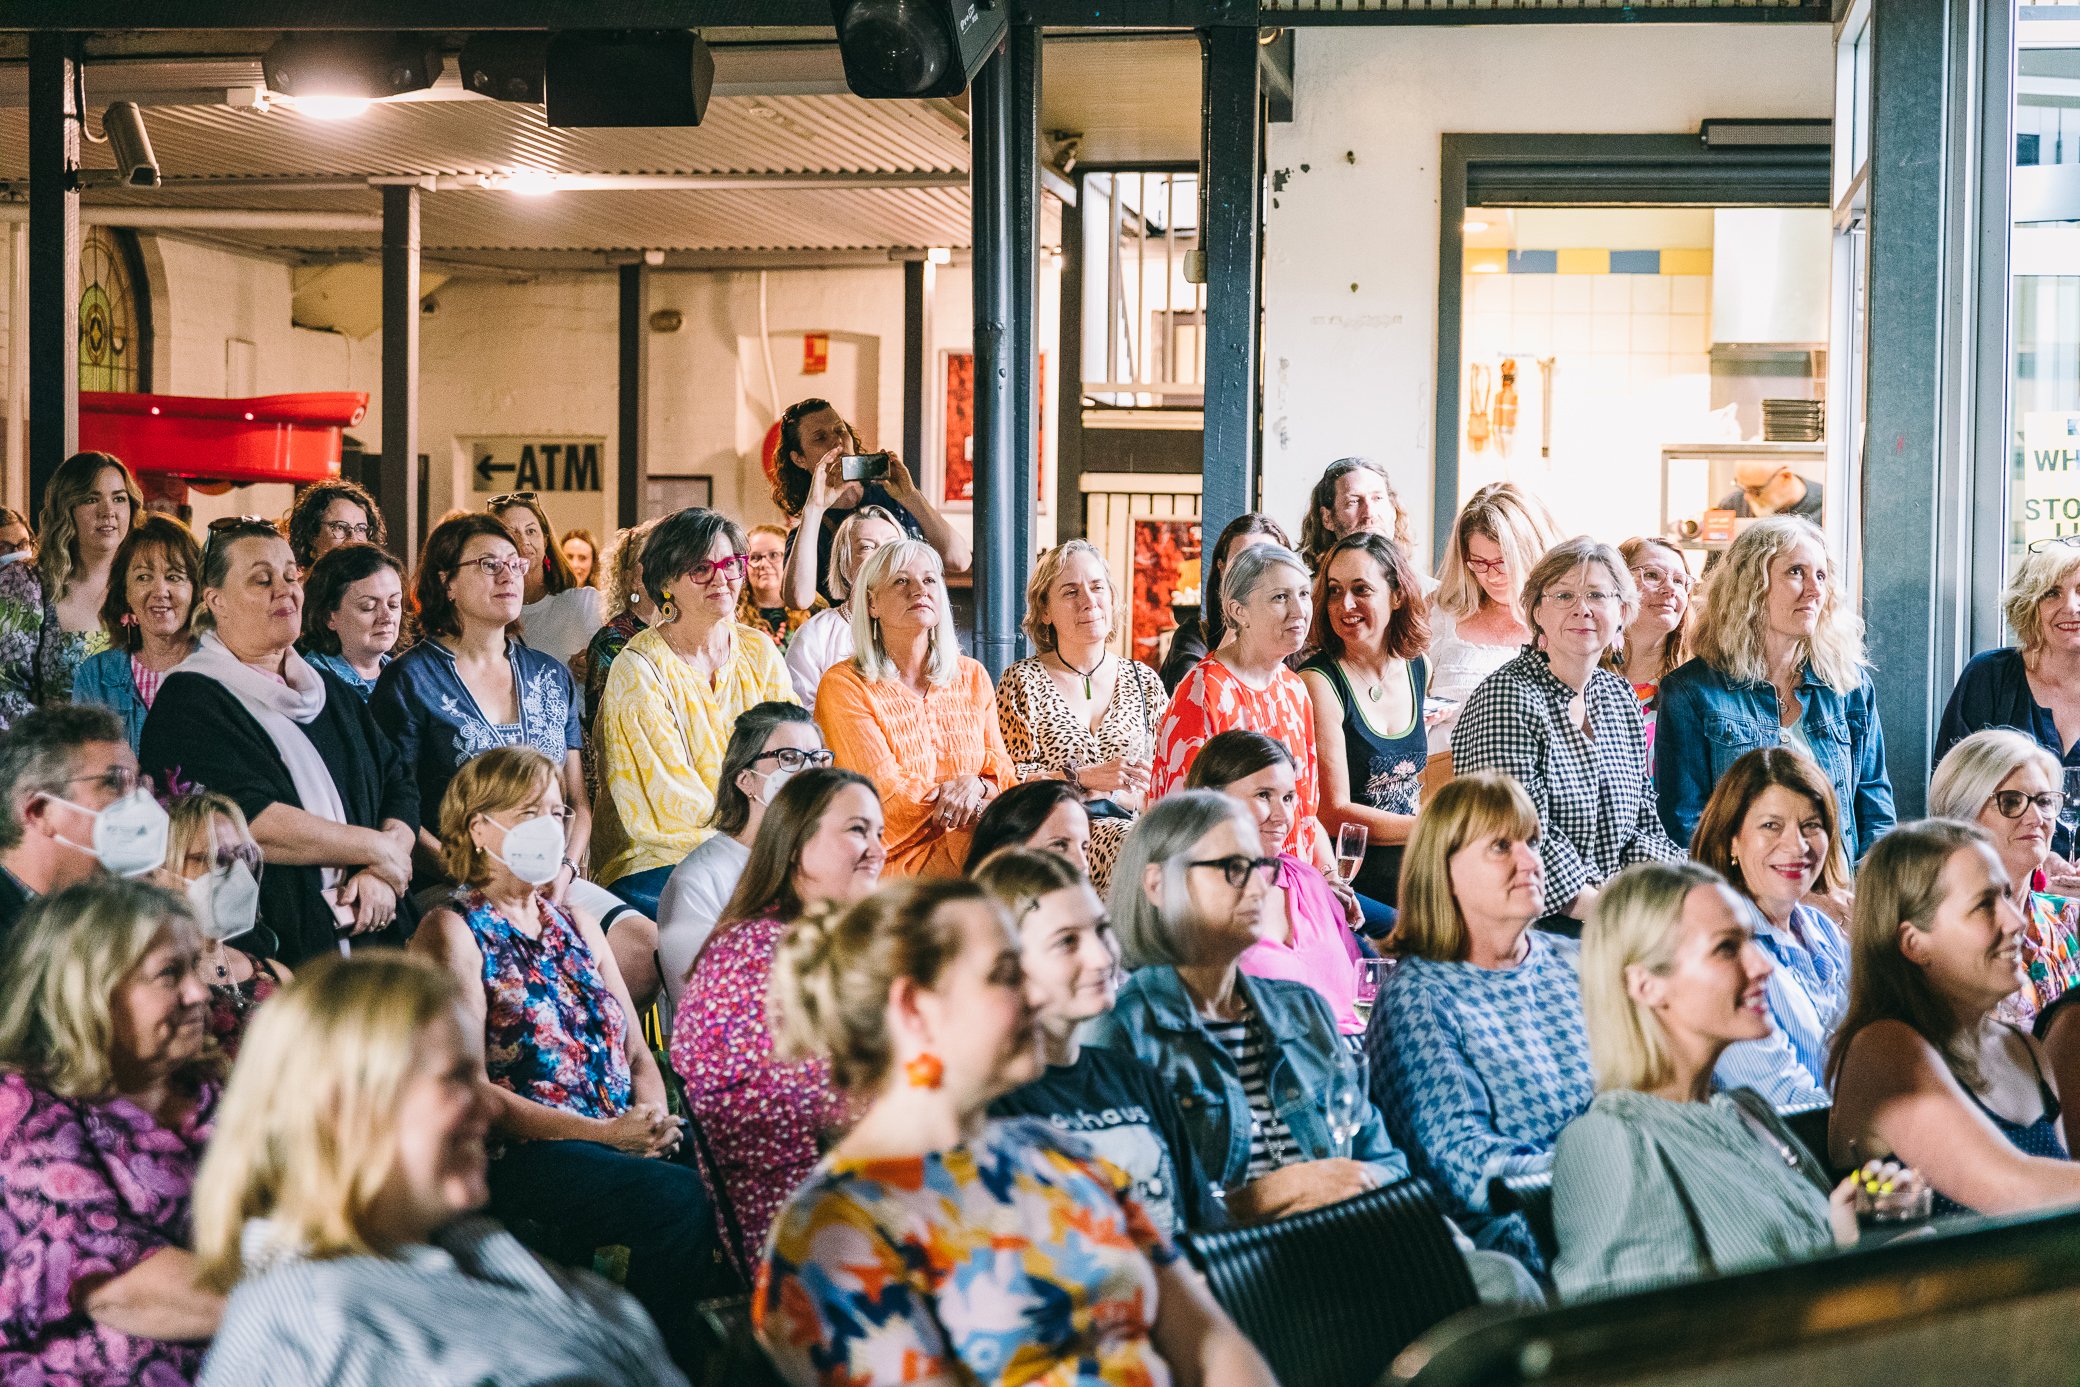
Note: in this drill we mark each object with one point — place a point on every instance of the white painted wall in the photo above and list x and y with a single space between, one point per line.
1350 263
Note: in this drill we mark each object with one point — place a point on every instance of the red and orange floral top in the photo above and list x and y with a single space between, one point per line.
1212 700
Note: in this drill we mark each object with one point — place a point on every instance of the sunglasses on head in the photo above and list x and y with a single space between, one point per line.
512 498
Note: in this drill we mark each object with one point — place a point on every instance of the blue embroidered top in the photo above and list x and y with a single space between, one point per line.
420 701
553 1031
1808 993
1477 1070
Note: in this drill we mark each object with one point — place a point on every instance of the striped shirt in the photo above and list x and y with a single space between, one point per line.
476 1307
1271 1144
147 680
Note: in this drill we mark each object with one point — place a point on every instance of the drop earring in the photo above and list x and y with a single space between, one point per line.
925 1071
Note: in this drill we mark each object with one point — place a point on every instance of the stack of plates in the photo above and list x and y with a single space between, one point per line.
1791 421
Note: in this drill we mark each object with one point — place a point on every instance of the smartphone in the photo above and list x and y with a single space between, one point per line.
862 467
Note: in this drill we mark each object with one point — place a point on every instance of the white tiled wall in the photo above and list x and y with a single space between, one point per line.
1632 372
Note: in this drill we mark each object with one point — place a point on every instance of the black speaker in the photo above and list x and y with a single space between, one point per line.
913 48
371 65
506 65
628 77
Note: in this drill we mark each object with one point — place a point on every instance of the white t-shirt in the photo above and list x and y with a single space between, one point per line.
1457 667
562 624
692 902
822 641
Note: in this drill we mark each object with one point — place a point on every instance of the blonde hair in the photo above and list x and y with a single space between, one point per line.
869 656
491 782
307 1132
1637 919
840 576
1520 526
1973 769
190 825
1564 558
1675 646
1728 634
1475 805
65 959
2041 573
1039 628
625 563
835 966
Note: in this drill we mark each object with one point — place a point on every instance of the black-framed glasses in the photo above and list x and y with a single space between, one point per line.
1237 870
495 569
731 567
2011 803
346 530
793 758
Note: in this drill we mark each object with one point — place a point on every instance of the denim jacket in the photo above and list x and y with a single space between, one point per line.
1707 722
1156 1022
105 679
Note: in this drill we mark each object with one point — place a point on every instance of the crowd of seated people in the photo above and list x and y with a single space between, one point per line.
459 966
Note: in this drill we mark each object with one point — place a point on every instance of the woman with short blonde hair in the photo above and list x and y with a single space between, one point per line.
913 714
1662 1179
2033 685
335 1206
109 1084
1779 662
1478 1052
1079 712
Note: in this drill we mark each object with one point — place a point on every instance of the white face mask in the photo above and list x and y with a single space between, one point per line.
533 851
129 835
775 779
226 903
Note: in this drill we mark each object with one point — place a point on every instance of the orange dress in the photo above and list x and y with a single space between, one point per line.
1211 700
909 744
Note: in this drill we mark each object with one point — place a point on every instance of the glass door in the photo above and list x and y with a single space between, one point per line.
2045 358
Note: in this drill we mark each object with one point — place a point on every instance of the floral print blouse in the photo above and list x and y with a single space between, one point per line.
1211 700
554 1032
38 657
1017 1257
88 1188
764 1118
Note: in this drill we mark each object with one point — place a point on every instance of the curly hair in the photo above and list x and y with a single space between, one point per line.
791 478
2041 573
1729 629
1315 536
308 514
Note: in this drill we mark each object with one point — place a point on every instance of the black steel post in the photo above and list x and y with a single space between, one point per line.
998 578
53 262
1068 454
400 469
917 301
1025 293
633 426
1232 111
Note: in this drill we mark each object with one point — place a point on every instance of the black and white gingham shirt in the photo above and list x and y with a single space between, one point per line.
1595 798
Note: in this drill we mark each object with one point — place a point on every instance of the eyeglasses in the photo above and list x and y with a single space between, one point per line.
763 558
117 780
794 758
512 498
2011 803
2038 546
1485 567
1659 579
705 569
495 569
227 858
1237 870
343 530
1565 598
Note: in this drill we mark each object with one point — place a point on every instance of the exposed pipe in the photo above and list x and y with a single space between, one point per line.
211 219
530 181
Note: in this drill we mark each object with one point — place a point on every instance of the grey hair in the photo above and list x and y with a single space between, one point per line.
1973 769
1247 569
869 656
1152 934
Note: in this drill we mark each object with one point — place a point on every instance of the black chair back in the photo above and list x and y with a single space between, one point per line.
1809 1125
1331 1295
1531 1196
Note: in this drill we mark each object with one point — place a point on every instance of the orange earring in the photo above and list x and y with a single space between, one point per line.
925 1071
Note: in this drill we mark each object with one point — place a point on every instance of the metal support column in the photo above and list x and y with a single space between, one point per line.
1232 157
1068 376
53 261
401 473
919 278
998 578
632 428
1024 344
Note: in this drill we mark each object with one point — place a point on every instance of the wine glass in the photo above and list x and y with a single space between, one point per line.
2069 812
1351 839
1346 1103
1372 975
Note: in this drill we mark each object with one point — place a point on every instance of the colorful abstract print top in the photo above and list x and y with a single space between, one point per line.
1017 1258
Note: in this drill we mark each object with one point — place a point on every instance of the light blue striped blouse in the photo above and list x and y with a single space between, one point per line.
1808 993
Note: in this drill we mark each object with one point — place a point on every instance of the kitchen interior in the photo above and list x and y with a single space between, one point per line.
1621 362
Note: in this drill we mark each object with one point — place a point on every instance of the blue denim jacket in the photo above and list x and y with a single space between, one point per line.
105 679
1707 722
1155 1021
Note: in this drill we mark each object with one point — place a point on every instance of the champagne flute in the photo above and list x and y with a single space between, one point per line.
1351 839
1346 1105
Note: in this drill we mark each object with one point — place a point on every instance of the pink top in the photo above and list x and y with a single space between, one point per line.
1320 953
762 1116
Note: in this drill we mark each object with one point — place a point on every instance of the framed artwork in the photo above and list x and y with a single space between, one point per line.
957 431
1166 558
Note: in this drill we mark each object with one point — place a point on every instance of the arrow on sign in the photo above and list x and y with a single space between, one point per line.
486 468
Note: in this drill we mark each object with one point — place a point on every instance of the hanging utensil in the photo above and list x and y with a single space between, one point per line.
1477 407
1545 415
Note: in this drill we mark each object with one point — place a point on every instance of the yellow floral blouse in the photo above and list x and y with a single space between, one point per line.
661 730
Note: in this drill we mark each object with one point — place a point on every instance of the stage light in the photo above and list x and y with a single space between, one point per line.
529 182
506 65
615 78
330 107
360 66
916 48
